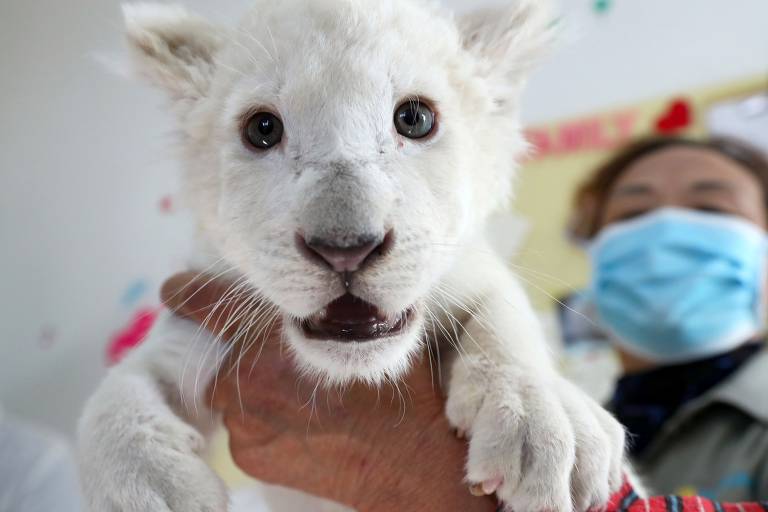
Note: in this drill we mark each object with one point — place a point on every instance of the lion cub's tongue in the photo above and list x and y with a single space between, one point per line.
350 310
349 318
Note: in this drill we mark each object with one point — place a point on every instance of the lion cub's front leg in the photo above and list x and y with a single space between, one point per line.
139 448
535 439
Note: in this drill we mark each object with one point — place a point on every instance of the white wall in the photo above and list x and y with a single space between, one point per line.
83 161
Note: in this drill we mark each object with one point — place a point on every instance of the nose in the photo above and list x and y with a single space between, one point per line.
348 258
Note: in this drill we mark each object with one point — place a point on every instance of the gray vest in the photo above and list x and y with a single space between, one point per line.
717 445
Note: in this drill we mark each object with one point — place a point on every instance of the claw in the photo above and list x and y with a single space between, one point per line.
476 490
461 433
491 486
486 488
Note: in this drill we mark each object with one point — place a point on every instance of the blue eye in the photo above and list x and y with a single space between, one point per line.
263 131
414 120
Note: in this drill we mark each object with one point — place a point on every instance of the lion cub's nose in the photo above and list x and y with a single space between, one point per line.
349 258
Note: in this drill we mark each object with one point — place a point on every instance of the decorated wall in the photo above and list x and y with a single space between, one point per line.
566 151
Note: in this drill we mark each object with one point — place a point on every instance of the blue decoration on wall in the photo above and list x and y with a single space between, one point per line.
134 293
602 6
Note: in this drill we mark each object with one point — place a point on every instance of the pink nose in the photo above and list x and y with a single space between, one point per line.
344 259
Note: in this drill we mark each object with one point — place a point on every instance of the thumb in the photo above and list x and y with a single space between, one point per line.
219 305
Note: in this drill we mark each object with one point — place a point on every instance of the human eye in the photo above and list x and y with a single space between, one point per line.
711 209
630 214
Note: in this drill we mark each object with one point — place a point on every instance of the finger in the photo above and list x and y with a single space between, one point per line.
216 304
248 430
192 295
221 393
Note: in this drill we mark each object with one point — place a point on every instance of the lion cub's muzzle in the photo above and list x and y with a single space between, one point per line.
350 318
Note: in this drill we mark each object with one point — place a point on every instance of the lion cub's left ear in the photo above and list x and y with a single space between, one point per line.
508 42
172 48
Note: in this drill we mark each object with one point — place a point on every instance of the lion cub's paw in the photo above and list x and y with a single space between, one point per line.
539 443
152 467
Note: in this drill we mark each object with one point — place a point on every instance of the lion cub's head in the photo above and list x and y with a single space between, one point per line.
338 152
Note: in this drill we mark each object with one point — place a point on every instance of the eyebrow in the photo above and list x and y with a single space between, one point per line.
638 189
712 186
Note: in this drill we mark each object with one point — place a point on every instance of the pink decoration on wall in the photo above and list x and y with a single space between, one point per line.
166 204
132 335
597 133
677 117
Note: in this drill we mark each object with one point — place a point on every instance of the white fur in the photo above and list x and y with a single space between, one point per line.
335 70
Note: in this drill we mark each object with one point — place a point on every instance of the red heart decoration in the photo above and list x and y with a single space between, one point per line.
676 118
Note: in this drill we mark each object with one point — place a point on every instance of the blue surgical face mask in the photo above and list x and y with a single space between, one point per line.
677 285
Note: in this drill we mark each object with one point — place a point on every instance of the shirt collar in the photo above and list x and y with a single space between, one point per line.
746 389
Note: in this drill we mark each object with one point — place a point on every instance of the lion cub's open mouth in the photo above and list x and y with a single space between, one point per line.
350 318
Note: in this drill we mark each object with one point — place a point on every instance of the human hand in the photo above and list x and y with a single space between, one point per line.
374 449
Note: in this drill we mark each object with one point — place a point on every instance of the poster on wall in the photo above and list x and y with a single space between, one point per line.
565 152
743 118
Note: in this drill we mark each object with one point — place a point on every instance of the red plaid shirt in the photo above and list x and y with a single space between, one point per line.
627 500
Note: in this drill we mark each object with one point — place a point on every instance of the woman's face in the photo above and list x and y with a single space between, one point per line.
686 177
683 177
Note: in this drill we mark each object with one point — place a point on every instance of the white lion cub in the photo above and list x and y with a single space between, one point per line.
341 157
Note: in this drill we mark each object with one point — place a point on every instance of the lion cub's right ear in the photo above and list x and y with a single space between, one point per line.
173 48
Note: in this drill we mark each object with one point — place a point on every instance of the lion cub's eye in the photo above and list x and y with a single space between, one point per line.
414 120
263 130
